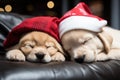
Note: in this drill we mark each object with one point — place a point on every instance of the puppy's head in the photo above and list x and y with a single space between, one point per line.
39 46
80 45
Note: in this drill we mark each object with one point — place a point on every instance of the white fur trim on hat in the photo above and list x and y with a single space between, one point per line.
81 22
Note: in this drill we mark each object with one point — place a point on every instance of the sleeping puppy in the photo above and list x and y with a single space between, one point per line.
35 39
36 46
85 38
88 46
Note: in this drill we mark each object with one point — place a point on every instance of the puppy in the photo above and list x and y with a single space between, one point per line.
36 46
85 38
35 39
88 46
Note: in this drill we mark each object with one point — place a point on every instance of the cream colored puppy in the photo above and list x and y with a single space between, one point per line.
36 46
88 46
85 38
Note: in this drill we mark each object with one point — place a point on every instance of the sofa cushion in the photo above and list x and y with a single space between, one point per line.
68 70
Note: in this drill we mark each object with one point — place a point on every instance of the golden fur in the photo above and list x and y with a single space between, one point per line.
36 46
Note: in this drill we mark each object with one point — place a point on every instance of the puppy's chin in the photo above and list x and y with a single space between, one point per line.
47 58
82 55
34 58
90 58
85 58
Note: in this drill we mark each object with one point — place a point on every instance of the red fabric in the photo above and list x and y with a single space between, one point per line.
81 9
44 24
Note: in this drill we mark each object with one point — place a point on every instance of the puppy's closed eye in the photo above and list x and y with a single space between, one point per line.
27 46
85 38
83 41
26 49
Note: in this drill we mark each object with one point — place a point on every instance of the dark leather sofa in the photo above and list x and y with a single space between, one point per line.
68 70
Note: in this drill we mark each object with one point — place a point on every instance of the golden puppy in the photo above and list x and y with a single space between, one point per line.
36 46
87 46
35 39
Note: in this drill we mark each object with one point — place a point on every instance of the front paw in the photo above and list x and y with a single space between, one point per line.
16 55
102 57
58 57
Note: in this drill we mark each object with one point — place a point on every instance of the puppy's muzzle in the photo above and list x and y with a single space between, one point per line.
40 55
80 59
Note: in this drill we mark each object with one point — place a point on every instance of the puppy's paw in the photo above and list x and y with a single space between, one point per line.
47 58
102 57
58 57
15 55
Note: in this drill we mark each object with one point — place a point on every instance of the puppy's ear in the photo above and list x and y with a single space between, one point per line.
106 39
59 46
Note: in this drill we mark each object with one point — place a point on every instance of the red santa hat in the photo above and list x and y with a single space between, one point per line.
80 17
44 24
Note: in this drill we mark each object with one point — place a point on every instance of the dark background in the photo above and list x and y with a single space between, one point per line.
100 8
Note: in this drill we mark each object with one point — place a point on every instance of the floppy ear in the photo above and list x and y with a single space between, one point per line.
106 39
59 46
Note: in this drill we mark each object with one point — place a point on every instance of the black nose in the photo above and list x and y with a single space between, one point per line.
40 55
80 59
